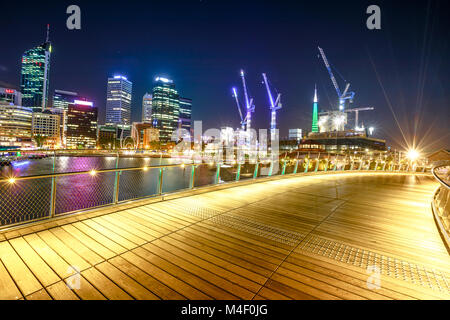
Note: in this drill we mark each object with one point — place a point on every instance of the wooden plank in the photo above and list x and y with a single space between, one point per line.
95 246
34 262
100 238
77 246
129 285
58 264
108 288
23 277
145 279
9 290
39 295
60 291
165 277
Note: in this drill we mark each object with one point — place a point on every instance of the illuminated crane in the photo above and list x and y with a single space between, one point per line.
274 106
248 104
243 121
343 96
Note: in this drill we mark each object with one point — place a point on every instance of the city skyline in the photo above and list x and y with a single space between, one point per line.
366 63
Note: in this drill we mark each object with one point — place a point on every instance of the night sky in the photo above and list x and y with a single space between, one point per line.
402 70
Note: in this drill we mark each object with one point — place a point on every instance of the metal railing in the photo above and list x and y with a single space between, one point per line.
24 199
441 201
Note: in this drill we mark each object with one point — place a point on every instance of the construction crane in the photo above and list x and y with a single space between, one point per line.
274 106
248 103
343 96
243 121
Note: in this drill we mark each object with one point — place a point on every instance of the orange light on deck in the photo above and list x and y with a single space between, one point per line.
413 155
11 180
93 173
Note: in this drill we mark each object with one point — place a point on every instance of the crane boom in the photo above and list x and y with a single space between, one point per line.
239 108
327 65
248 102
274 106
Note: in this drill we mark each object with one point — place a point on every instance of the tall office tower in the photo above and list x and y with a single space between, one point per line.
81 125
118 101
165 108
147 108
315 127
185 113
35 76
61 101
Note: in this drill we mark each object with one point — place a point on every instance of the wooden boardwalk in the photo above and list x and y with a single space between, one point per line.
304 237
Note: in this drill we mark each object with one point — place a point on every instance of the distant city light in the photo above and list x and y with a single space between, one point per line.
371 130
413 155
83 103
165 80
120 77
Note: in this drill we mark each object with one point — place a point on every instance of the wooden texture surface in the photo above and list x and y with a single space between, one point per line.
340 236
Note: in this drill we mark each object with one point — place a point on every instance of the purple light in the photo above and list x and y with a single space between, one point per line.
83 103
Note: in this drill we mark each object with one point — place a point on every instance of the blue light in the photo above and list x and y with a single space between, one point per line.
21 163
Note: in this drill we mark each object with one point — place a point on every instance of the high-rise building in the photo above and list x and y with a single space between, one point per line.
185 113
46 125
165 108
315 126
8 96
295 134
81 125
15 126
61 101
35 76
118 101
147 108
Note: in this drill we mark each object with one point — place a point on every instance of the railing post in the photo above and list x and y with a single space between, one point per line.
284 168
53 194
296 167
192 179
255 173
376 166
384 166
351 166
238 172
307 166
116 181
217 174
270 168
161 177
361 163
317 164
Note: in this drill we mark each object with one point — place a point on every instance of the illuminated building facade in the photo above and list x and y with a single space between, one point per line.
315 126
46 124
15 126
147 108
185 113
81 125
295 134
61 101
165 108
35 76
118 100
8 96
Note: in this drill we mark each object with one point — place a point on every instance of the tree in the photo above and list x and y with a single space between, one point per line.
40 140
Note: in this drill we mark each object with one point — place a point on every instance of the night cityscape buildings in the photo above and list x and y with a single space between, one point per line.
35 75
82 125
118 100
147 108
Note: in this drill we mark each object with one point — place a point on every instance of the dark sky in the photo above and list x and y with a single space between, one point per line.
402 70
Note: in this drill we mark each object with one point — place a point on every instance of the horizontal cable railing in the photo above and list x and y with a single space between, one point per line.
441 201
26 197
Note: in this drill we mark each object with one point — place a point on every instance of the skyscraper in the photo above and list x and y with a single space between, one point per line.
165 108
315 127
147 108
35 76
185 113
61 101
118 100
82 125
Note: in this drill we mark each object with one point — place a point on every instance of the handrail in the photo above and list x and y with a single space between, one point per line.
441 205
42 197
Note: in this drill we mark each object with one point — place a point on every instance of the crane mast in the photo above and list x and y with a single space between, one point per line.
274 106
248 103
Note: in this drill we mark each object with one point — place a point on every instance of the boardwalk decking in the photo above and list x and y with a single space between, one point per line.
303 237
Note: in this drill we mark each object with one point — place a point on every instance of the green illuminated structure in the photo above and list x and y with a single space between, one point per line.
315 127
35 76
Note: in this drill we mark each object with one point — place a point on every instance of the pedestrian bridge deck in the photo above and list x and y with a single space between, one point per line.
324 236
